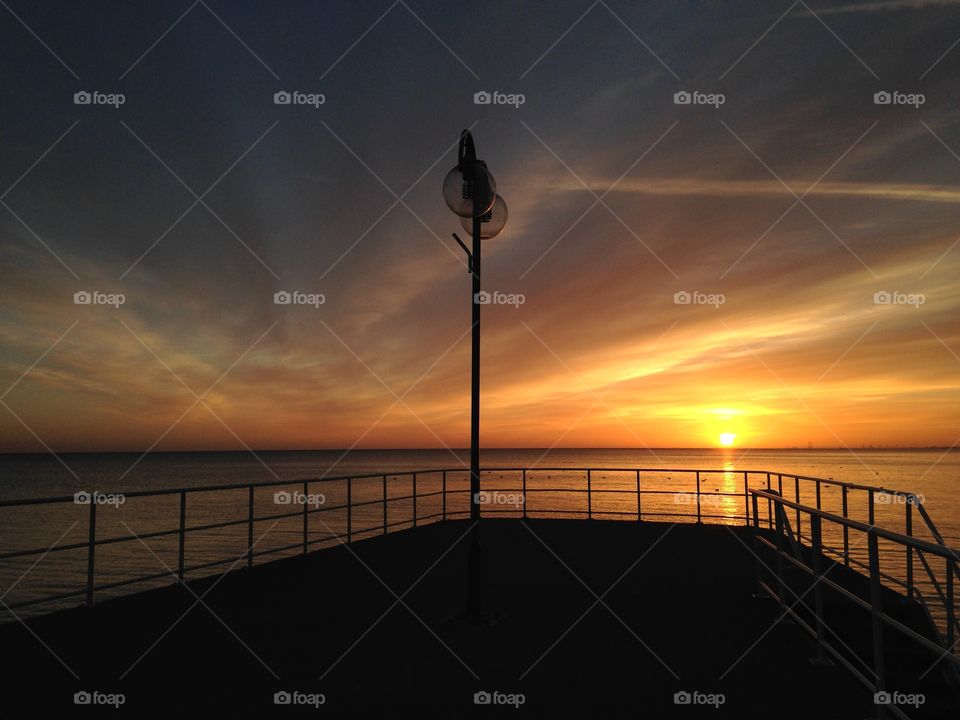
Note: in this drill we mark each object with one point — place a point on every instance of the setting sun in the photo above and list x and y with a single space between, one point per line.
726 439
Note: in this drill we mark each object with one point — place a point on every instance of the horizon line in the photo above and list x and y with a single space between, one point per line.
946 448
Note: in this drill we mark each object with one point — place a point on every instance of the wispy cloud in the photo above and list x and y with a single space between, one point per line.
760 188
874 6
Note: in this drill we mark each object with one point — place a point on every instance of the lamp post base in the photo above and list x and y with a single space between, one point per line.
470 619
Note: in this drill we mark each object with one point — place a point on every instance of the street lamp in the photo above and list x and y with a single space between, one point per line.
491 222
471 193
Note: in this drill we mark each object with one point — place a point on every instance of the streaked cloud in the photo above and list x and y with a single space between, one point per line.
759 188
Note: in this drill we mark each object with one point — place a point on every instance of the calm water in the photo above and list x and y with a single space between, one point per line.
931 473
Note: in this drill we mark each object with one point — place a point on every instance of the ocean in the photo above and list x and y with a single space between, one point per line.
553 475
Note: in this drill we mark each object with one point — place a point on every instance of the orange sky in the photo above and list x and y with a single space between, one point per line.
591 363
799 201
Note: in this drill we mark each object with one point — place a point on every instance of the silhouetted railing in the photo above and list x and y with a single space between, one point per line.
343 509
787 553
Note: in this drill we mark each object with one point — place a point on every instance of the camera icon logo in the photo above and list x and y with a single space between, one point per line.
482 98
882 298
882 698
682 698
482 298
82 497
282 698
682 297
282 498
882 97
282 297
82 297
482 698
82 698
282 97
682 97
82 98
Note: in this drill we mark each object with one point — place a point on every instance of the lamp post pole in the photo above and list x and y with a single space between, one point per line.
475 583
470 192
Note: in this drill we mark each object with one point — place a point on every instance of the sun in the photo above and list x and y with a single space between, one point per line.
726 439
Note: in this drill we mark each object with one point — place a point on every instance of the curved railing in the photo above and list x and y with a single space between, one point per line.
125 533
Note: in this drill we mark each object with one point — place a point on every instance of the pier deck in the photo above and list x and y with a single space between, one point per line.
677 612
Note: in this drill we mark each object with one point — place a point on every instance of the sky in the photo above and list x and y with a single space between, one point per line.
775 260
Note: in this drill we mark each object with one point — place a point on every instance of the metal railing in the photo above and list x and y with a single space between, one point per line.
184 530
612 493
788 553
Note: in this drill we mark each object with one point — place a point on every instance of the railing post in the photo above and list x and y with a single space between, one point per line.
870 516
908 522
698 497
414 499
183 534
524 492
589 497
349 510
796 485
250 529
384 504
91 547
818 496
778 510
816 542
769 505
443 495
951 613
876 608
756 542
746 499
639 516
846 530
306 506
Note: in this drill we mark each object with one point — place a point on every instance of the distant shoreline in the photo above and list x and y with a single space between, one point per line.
243 451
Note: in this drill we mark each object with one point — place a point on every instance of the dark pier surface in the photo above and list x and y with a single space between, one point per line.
676 613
